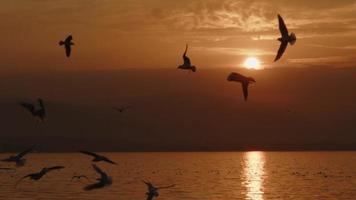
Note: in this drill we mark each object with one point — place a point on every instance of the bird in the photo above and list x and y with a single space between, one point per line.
153 191
187 65
37 176
97 157
121 109
18 159
245 81
79 177
284 39
67 45
103 181
39 113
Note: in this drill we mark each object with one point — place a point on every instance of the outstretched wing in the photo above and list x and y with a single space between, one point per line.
55 168
109 161
20 155
68 50
99 171
149 184
28 106
89 153
282 26
281 50
185 57
94 186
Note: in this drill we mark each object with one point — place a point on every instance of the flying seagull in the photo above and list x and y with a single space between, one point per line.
67 45
103 181
97 157
187 65
37 176
245 81
39 113
18 159
121 109
153 191
285 39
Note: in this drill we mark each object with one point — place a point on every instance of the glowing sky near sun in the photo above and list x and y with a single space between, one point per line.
153 33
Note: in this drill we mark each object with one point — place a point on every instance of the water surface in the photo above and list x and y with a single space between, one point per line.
210 176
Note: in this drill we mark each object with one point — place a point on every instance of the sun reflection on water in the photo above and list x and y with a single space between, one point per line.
253 174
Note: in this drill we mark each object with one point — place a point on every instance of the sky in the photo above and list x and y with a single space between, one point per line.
127 51
118 34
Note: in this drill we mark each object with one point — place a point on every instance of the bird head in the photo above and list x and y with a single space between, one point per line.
194 69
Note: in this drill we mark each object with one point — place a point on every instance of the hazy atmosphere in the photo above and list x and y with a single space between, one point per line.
126 53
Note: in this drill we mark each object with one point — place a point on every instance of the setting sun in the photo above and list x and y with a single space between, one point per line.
252 63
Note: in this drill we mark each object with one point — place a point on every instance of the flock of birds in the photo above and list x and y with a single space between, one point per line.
105 180
285 39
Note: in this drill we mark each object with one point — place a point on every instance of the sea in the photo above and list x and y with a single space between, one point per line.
254 175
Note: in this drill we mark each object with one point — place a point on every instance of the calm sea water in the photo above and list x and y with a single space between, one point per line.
240 175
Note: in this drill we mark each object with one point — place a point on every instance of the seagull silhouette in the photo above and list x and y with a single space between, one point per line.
103 181
153 191
245 81
18 159
67 45
39 113
285 39
121 109
37 176
187 65
97 157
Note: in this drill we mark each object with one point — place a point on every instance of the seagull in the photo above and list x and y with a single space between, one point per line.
37 176
285 39
103 181
79 177
245 81
187 65
67 44
153 191
121 109
18 159
39 113
97 157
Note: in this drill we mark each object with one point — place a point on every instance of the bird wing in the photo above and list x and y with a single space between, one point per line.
282 26
99 171
165 187
20 155
93 186
185 57
68 50
281 50
68 39
149 184
28 106
245 89
89 153
109 161
40 101
53 168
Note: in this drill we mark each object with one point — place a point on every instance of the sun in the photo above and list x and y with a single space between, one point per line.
252 63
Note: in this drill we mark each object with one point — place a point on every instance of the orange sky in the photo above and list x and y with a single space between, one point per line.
152 33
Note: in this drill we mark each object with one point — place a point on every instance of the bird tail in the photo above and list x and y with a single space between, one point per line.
294 39
61 43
